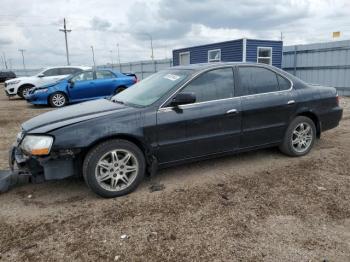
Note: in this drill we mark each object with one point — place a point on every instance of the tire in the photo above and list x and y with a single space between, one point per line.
105 168
297 140
23 90
58 99
119 89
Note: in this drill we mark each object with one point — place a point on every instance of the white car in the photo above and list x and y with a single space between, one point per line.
21 85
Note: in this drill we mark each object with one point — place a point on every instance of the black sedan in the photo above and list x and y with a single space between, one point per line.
182 114
6 75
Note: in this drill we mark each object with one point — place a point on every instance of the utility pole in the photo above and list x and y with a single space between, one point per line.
24 65
118 56
93 56
5 62
2 61
65 31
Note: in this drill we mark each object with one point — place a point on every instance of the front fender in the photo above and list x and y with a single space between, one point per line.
87 133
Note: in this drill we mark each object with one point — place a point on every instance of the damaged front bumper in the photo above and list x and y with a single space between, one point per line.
24 168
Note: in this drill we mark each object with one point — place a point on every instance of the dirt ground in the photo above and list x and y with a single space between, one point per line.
259 206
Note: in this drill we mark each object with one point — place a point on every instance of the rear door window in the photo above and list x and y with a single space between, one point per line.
283 83
257 80
69 71
213 85
104 75
85 76
52 72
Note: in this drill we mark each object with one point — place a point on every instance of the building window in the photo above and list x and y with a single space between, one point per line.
184 58
264 55
214 55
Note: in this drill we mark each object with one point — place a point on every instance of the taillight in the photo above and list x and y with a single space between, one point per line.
337 99
135 79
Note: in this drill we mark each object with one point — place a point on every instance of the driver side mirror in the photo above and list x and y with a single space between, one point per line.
41 75
183 99
71 83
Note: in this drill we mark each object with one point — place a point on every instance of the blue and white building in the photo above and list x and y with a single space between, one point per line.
240 50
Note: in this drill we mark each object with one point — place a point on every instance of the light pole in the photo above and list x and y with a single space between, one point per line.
24 65
93 56
111 57
118 56
5 62
151 38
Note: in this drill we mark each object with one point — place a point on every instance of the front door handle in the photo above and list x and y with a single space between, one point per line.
291 102
232 111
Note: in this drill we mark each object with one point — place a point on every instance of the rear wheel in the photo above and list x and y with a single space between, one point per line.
58 100
23 91
114 168
300 137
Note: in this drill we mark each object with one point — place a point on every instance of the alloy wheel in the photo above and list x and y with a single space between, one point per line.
58 100
302 137
25 91
116 170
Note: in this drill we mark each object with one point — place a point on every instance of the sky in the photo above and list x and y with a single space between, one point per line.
34 25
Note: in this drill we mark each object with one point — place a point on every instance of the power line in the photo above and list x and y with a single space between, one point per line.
65 31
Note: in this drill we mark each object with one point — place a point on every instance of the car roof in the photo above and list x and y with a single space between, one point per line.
69 66
202 66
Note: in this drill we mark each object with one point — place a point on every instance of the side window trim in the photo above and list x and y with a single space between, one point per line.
238 85
165 104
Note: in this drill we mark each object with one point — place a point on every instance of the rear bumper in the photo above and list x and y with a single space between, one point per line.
331 119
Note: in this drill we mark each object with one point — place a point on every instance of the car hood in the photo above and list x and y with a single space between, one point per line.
73 114
51 84
23 78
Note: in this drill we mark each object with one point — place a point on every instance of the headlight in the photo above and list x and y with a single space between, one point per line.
19 137
13 82
37 145
43 90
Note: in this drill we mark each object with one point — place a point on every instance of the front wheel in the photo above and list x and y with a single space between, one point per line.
114 168
300 137
58 100
23 91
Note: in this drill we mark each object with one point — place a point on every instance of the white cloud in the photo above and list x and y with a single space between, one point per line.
172 24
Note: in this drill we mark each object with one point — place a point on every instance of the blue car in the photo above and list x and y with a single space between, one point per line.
83 86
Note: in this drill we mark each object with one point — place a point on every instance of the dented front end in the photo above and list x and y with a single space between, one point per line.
25 166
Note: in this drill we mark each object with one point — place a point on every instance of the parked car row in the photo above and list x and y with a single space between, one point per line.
21 85
59 86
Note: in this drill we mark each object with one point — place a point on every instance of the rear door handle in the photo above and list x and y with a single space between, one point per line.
232 111
291 102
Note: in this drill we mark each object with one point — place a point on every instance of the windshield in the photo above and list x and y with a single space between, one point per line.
152 88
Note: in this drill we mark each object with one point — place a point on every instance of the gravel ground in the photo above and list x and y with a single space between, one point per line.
258 206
